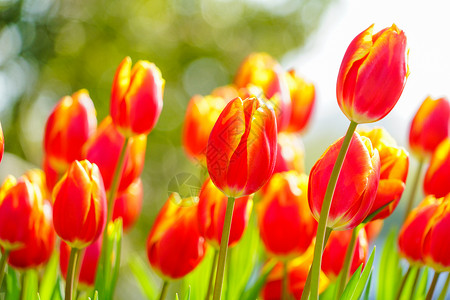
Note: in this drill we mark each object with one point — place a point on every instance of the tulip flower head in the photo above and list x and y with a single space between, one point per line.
82 193
128 204
242 147
373 74
356 187
290 153
437 177
136 97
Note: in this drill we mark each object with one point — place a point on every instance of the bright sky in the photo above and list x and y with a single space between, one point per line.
426 26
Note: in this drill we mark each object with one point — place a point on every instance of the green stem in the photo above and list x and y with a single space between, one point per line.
326 204
414 186
3 265
211 276
445 288
433 286
416 279
22 283
223 248
285 282
307 286
405 277
163 294
71 278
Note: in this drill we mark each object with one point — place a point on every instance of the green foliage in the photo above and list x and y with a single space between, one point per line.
49 279
354 288
141 273
390 271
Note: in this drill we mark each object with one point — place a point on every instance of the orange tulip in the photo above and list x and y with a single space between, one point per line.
410 239
211 215
71 123
336 248
104 147
242 147
79 208
290 153
436 245
128 204
437 177
394 163
373 74
430 126
174 245
136 97
356 187
284 204
263 71
303 96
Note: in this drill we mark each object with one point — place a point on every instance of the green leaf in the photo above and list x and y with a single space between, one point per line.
408 289
188 295
57 293
199 278
12 284
421 290
390 271
364 276
30 284
49 278
142 274
116 245
96 295
253 291
367 292
351 285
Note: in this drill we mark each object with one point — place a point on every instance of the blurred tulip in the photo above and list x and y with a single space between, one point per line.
437 177
2 142
284 205
174 245
290 153
410 239
212 205
430 126
136 97
303 96
51 174
336 248
435 244
79 208
89 261
37 176
263 71
128 204
373 229
242 147
356 187
394 163
372 74
104 147
71 123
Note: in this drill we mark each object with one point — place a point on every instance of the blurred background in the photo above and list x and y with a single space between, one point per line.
52 48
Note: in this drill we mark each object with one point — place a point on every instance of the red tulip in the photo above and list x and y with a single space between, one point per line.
242 147
71 123
212 205
437 177
394 163
136 97
174 245
430 126
373 74
290 153
128 204
356 187
284 204
104 147
79 208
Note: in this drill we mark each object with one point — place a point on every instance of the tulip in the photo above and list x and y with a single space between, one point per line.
174 245
336 248
104 148
394 163
51 174
410 239
37 176
136 97
356 187
128 204
2 142
373 74
373 229
430 126
290 153
437 177
303 97
284 204
263 71
211 215
71 123
80 192
242 145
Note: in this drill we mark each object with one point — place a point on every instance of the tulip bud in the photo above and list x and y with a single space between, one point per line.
284 204
136 97
212 205
437 177
79 208
356 186
128 204
174 245
290 153
430 126
372 74
68 127
242 147
104 147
